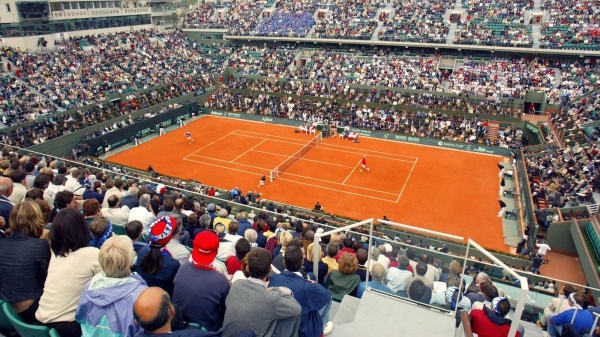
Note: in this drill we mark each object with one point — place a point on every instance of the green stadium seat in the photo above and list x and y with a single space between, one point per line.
5 324
119 229
24 329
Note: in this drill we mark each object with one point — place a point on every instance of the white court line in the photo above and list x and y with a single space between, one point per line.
360 154
391 154
326 144
227 161
250 149
274 140
224 167
335 189
407 178
266 134
316 161
354 169
334 183
209 144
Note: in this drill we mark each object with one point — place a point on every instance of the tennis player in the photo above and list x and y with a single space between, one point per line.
262 181
363 162
189 137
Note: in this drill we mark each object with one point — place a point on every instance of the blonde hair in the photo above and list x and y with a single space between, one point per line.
285 238
27 218
310 252
334 238
116 256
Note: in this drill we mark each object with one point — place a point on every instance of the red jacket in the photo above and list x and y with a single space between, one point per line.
344 250
483 326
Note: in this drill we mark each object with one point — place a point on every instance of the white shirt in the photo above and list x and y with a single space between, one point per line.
396 279
178 251
117 216
543 248
142 215
74 186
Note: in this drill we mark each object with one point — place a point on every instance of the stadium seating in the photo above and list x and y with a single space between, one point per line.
25 329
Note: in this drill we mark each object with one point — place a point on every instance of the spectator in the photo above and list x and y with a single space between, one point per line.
101 231
396 278
226 247
178 250
378 273
154 313
242 218
115 213
134 230
314 299
347 249
419 292
492 322
73 263
421 270
234 263
24 266
143 213
155 265
330 259
20 186
118 287
130 199
344 281
206 305
309 262
557 305
250 304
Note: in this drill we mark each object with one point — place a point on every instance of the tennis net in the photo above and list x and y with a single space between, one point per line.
274 174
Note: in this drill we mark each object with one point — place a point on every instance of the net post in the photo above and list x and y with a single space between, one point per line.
271 176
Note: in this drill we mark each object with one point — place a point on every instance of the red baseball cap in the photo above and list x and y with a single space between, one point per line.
206 246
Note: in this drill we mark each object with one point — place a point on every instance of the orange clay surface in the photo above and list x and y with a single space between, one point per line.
449 191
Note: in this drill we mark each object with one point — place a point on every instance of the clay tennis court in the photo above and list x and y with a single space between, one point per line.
444 190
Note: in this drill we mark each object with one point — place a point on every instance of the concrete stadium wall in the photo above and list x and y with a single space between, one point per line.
559 237
585 255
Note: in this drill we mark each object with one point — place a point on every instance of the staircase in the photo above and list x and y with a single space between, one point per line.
492 130
451 33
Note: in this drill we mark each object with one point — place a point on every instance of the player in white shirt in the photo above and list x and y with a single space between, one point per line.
189 137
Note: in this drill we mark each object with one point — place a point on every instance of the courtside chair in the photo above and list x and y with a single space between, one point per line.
5 324
24 329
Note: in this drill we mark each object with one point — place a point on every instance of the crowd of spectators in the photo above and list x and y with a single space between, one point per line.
243 16
570 122
572 24
415 21
419 123
125 61
495 23
203 17
562 175
285 24
264 61
346 19
393 71
507 78
19 104
289 19
130 241
393 98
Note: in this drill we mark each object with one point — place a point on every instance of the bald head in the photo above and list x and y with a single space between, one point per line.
6 186
153 310
378 272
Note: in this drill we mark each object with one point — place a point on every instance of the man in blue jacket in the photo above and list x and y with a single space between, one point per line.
242 219
314 299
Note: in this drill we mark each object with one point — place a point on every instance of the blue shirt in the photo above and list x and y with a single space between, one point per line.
583 319
373 284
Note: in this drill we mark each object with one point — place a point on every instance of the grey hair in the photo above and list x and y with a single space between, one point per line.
41 165
250 235
134 191
145 200
482 277
204 220
375 253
